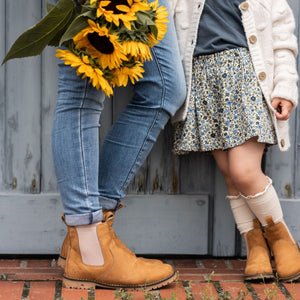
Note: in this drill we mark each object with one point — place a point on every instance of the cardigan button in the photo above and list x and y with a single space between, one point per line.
262 76
253 39
244 5
282 142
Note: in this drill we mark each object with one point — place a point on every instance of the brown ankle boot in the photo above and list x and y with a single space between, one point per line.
109 265
108 215
285 250
258 264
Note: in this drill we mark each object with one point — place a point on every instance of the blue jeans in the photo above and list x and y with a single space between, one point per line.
90 181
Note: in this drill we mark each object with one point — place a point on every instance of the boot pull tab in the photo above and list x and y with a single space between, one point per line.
63 218
270 221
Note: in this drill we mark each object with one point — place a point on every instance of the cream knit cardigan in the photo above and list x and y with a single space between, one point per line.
269 26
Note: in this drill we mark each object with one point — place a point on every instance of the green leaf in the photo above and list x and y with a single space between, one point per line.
76 26
144 18
56 40
49 6
35 39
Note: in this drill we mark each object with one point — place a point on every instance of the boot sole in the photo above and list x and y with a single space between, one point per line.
71 283
259 277
61 262
290 278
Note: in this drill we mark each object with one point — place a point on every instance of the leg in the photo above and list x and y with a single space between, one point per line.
245 167
157 96
75 146
242 214
261 197
221 158
246 172
258 264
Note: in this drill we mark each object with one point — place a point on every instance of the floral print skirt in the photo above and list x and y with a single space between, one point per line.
226 106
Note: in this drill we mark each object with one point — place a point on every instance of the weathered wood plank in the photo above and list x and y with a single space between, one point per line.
49 75
163 165
23 102
296 9
2 95
164 224
196 173
27 103
223 237
121 98
150 224
48 103
283 168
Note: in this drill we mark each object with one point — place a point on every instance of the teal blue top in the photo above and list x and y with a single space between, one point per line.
220 27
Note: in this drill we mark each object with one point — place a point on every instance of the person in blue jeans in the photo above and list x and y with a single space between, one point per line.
92 182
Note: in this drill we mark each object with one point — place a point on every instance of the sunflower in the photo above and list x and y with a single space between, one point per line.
121 76
113 11
152 40
139 50
123 10
100 44
85 69
160 19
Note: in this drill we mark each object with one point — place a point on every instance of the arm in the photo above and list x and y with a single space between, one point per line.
173 5
285 52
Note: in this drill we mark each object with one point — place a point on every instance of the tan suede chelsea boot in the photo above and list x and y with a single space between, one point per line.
258 264
285 250
96 260
108 215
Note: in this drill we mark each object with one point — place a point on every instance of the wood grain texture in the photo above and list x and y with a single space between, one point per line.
166 188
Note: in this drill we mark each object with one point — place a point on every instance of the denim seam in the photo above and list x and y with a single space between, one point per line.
153 122
81 147
154 56
142 148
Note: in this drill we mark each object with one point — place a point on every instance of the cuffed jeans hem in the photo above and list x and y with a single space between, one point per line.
84 219
109 203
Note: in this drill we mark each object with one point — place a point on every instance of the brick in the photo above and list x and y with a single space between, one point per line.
294 289
175 287
138 295
192 277
201 289
76 294
238 264
208 271
42 290
7 263
215 264
234 288
228 277
38 263
28 276
262 288
185 263
10 290
101 294
32 270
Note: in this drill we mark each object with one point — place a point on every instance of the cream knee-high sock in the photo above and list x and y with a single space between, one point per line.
89 245
264 204
242 214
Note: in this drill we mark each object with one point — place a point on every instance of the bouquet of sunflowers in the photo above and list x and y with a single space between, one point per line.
107 41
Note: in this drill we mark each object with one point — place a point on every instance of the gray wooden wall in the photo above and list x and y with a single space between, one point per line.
176 205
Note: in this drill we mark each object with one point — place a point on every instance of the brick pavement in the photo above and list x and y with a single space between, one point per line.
40 279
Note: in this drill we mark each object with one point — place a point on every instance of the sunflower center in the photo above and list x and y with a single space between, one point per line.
101 43
112 6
